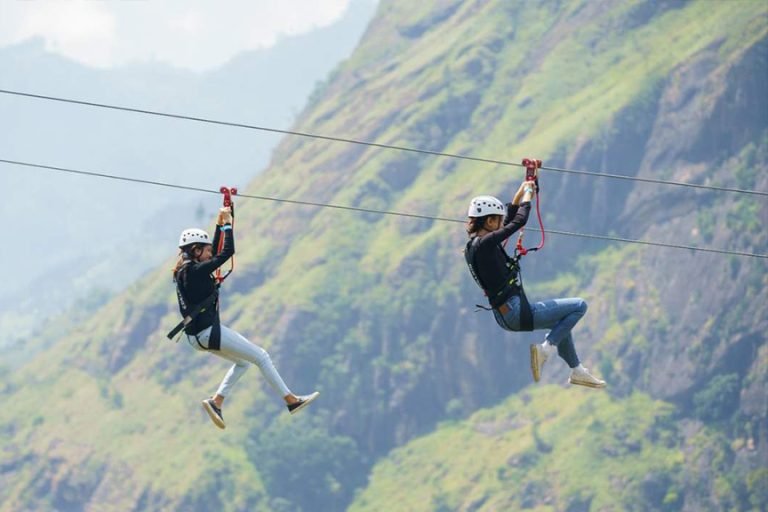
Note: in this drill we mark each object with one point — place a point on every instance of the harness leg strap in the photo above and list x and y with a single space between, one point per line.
526 314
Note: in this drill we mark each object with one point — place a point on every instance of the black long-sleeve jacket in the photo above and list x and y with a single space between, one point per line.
196 283
490 260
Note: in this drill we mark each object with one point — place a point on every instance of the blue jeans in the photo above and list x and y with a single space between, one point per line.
559 315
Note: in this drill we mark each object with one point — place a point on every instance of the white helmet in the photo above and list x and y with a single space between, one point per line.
481 206
193 236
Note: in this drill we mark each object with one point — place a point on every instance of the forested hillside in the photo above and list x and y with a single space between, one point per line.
426 404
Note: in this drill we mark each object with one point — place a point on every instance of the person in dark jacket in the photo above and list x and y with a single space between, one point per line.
490 224
195 285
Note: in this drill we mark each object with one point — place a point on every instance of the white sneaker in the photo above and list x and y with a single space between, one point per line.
302 403
539 356
580 376
214 412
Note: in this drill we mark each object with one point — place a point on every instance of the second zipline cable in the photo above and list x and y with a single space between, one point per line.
369 210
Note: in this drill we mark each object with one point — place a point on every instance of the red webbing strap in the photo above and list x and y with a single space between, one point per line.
228 193
531 174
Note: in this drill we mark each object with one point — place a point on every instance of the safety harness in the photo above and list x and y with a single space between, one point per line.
513 284
214 340
513 281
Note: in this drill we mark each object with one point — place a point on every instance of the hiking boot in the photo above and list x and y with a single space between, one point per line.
539 356
580 376
214 412
302 403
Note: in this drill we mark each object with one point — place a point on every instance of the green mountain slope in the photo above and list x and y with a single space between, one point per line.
540 450
377 311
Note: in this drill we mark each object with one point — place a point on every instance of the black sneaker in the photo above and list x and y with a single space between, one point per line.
303 402
214 412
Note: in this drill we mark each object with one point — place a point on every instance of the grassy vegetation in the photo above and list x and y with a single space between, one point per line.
543 450
372 310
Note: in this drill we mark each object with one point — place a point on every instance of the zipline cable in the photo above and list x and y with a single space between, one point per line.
369 210
374 144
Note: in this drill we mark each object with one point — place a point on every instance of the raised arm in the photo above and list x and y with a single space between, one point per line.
517 213
518 219
223 229
226 252
216 239
225 214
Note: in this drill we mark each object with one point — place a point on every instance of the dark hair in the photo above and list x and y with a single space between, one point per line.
475 224
185 254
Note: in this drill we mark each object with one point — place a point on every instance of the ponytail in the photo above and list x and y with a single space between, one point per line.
185 255
475 224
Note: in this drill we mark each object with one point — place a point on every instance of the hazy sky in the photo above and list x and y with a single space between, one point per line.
194 34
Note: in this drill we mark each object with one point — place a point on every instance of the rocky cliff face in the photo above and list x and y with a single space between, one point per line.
377 312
